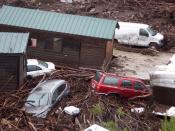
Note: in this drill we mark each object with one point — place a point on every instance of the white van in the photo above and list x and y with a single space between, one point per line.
138 35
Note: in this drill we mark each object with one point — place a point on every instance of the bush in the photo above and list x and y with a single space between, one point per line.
112 126
120 112
96 110
168 125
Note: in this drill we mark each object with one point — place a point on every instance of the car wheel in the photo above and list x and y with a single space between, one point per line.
114 95
153 46
29 77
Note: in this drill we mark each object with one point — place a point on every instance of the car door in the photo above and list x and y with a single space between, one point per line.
139 87
143 39
33 70
58 93
109 85
127 88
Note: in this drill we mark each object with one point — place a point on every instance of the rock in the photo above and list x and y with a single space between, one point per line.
66 1
58 10
96 128
92 10
79 1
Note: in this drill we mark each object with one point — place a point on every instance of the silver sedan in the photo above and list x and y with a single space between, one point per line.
45 95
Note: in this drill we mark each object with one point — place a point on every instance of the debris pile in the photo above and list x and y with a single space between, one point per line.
102 110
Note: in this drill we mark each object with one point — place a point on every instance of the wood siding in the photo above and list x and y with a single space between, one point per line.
9 72
12 71
92 54
22 69
69 54
109 52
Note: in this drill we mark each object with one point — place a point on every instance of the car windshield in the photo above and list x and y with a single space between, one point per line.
37 99
43 63
151 31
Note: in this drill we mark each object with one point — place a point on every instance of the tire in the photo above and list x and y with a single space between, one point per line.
114 95
29 77
153 46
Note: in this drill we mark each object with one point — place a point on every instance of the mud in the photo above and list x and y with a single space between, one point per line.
137 64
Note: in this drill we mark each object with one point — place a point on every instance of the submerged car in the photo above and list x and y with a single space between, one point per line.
46 95
37 68
108 83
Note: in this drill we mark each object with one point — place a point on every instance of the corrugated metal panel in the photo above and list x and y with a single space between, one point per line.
57 22
13 42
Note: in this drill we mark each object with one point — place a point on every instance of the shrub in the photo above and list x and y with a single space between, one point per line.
120 112
168 125
112 126
96 110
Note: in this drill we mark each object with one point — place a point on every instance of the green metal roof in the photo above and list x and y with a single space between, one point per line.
13 42
57 22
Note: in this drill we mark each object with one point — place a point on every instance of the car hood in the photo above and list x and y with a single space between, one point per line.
159 36
38 111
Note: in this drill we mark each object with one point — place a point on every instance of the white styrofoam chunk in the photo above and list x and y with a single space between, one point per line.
72 110
138 110
95 127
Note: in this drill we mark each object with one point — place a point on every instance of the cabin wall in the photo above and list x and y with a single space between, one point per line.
109 53
9 72
69 51
92 54
22 69
56 50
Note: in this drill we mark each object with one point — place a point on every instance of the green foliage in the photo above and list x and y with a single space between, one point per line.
96 110
125 129
112 126
168 125
120 112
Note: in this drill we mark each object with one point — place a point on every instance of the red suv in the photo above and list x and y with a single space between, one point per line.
107 83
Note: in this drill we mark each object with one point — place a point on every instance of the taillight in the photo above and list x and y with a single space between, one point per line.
97 87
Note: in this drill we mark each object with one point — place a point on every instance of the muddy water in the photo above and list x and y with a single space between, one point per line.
136 64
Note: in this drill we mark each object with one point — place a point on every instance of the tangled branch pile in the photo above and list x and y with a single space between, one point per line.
108 111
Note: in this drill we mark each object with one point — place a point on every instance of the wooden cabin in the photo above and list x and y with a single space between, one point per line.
63 38
12 59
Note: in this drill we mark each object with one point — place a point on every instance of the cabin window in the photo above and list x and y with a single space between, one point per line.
71 44
53 44
32 43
